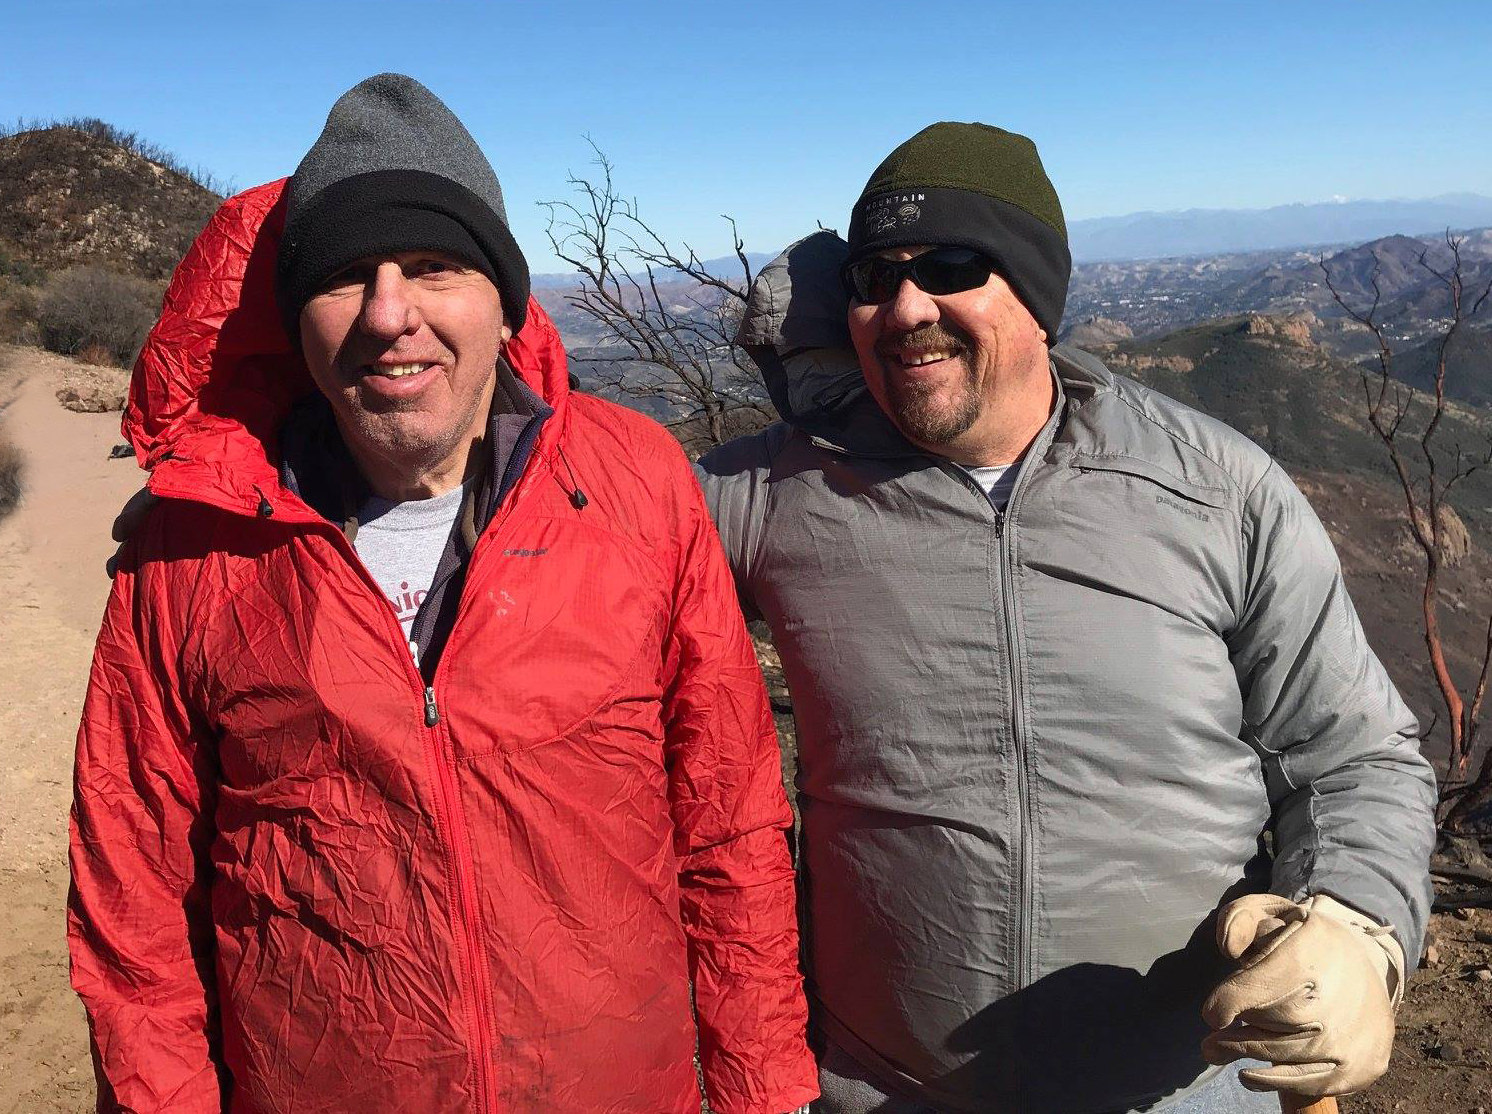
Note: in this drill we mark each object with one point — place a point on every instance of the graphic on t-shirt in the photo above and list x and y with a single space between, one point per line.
406 604
401 544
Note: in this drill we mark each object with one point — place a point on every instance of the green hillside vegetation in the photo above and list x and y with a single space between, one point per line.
1303 406
1468 367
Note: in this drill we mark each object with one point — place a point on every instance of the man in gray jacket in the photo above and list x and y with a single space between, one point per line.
1098 774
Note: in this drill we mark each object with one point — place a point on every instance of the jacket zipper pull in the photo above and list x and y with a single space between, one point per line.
432 713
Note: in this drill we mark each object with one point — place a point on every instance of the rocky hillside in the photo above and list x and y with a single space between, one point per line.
70 197
1412 300
1266 377
1155 297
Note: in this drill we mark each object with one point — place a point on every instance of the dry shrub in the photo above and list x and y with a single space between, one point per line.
694 433
1455 539
14 265
95 354
10 476
85 309
18 303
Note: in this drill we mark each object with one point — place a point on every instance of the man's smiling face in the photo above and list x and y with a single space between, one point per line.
405 347
939 365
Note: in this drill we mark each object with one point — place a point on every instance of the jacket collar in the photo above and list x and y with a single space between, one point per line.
316 465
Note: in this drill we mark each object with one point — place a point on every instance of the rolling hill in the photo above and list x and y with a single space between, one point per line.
71 197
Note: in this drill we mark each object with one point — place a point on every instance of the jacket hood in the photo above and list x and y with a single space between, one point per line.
217 375
795 329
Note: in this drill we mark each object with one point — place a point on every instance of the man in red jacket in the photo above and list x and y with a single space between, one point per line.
425 762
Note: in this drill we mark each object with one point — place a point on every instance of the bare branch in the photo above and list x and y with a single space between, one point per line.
667 320
1474 713
1425 485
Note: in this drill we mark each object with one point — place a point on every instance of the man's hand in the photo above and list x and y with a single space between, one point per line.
1314 994
130 518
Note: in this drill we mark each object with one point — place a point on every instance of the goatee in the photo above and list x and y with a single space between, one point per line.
934 414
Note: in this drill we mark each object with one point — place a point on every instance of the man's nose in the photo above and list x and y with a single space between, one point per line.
389 306
911 308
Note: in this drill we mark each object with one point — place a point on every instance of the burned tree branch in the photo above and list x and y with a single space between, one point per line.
670 317
1427 472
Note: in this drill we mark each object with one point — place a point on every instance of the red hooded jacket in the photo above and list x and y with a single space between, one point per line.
304 882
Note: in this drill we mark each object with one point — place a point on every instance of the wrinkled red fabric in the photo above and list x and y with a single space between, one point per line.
303 883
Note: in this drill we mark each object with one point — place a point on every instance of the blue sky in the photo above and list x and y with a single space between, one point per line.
776 112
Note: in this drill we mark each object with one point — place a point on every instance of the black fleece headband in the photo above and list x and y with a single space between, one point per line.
1027 252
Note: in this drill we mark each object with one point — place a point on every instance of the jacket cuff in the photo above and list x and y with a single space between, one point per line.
1303 874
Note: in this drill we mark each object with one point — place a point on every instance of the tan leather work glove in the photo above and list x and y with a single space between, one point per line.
1314 993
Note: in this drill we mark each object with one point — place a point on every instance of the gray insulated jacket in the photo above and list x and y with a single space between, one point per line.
1038 749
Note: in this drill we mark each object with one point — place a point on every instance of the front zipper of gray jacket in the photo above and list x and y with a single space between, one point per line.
1025 870
1025 924
1025 912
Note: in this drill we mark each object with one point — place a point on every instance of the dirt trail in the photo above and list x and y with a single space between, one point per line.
52 551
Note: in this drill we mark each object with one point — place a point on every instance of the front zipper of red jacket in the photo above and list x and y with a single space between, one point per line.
450 816
450 813
457 838
450 824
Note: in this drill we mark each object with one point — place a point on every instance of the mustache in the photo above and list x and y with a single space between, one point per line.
358 352
933 337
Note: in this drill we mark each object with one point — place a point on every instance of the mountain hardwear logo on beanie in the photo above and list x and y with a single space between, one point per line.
978 187
394 170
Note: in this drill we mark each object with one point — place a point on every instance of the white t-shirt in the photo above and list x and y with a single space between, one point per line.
997 480
401 544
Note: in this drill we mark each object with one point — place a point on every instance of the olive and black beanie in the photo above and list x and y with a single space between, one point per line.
394 170
978 187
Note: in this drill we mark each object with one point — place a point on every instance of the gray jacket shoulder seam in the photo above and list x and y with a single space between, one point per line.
1177 435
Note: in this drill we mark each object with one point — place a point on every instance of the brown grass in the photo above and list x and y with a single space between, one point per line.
10 476
96 354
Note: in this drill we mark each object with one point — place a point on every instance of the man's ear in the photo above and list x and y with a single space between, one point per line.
505 334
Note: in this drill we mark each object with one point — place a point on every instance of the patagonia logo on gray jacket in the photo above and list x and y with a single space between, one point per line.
1177 505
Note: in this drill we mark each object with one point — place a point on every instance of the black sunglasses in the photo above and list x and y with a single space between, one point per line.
941 271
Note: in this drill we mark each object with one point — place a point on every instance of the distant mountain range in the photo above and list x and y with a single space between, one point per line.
1153 297
1468 374
1403 267
1204 232
1214 231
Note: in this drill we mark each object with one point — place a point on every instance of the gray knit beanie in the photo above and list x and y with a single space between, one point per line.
394 170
